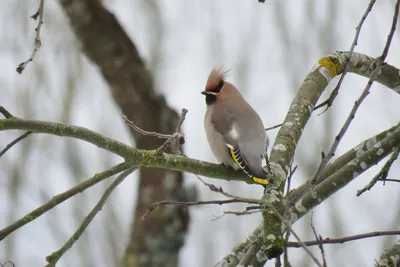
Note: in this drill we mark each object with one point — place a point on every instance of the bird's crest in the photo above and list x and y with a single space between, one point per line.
216 78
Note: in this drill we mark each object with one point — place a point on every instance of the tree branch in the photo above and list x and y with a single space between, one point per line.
343 239
340 178
383 173
140 158
10 145
156 205
352 157
335 92
390 257
56 256
357 104
60 198
37 43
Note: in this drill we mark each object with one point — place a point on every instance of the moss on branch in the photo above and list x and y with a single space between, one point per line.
139 158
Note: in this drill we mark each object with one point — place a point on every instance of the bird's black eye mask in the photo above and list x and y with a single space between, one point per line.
218 88
211 95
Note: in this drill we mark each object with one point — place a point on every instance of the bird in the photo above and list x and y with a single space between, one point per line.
234 130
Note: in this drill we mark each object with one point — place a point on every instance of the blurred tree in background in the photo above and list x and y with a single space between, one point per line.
148 59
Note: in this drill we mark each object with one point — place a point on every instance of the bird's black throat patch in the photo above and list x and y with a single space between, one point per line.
210 99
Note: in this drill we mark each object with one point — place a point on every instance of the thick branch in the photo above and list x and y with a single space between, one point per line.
350 171
390 257
140 158
300 111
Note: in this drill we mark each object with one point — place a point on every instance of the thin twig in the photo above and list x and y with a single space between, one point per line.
289 228
287 235
181 120
328 103
240 213
156 205
55 256
274 127
10 145
320 245
5 264
56 200
357 104
221 191
6 113
143 132
37 43
237 213
292 170
177 138
383 173
390 180
343 239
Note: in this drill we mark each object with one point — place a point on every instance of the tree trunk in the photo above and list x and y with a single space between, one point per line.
156 241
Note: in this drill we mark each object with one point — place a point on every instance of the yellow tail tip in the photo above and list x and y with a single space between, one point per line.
260 181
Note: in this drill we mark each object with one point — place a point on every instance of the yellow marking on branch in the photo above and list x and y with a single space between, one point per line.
331 63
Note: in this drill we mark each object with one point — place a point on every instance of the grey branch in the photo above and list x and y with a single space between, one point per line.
37 42
357 104
390 257
60 198
56 256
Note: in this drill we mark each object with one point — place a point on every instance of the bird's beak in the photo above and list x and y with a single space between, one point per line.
207 93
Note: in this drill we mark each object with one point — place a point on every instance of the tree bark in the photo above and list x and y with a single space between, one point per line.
156 241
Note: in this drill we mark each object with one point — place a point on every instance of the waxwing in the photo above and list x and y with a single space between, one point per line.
234 130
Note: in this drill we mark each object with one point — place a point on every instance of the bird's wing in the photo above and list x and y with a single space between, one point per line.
242 163
249 158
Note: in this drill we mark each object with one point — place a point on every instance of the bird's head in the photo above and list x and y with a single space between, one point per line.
217 89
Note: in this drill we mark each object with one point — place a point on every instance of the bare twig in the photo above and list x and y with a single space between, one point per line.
274 127
390 180
292 170
10 145
364 94
156 205
143 132
5 113
237 213
343 239
320 245
56 200
177 138
383 173
5 264
240 213
289 228
221 191
37 43
328 103
181 120
55 256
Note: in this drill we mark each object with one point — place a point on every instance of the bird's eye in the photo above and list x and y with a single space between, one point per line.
219 87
